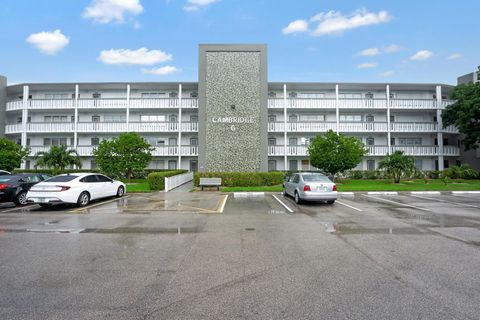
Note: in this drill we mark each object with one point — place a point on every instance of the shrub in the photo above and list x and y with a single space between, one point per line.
372 174
156 180
433 174
461 172
355 174
243 179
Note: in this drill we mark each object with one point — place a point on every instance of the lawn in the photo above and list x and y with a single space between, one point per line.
137 186
381 185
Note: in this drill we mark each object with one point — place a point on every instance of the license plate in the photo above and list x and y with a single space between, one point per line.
321 188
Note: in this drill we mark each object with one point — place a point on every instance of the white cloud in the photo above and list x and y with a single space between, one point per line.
369 52
141 56
106 11
454 56
333 23
48 42
385 74
367 65
162 71
392 48
422 55
296 27
193 5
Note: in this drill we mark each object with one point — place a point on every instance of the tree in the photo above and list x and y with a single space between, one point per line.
126 155
397 164
58 158
465 113
335 153
11 154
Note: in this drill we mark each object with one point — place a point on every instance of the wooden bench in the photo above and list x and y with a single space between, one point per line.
210 182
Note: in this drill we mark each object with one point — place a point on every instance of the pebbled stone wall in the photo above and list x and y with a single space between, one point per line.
233 111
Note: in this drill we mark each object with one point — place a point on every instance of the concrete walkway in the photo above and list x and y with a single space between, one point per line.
184 187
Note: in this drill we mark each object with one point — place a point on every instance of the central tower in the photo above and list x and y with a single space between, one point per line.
233 108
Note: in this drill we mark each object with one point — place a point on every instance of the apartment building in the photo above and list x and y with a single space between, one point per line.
232 115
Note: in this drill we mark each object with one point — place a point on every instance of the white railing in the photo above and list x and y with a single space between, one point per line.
451 151
85 150
36 149
446 103
178 180
276 150
309 103
189 150
451 129
413 103
13 128
153 126
50 127
276 127
189 126
189 103
363 103
362 126
14 105
102 103
165 151
413 126
275 103
154 103
87 127
297 150
51 104
417 150
377 150
311 126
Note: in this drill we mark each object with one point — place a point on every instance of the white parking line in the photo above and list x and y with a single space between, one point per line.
347 205
16 208
96 205
397 203
456 203
283 204
222 206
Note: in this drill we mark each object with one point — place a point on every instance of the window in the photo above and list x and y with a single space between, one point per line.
272 118
392 141
392 118
33 179
272 95
350 118
19 119
173 95
272 165
434 118
95 118
64 178
95 141
55 118
349 95
312 117
445 141
54 141
368 95
272 141
90 179
103 178
414 141
57 96
172 164
194 141
115 118
72 119
293 118
152 95
96 95
293 165
27 164
446 164
316 177
193 118
292 141
28 141
172 118
312 95
369 118
154 118
193 165
370 141
292 95
418 164
370 164
392 95
296 178
194 94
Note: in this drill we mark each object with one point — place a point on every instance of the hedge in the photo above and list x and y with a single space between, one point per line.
156 180
50 171
243 179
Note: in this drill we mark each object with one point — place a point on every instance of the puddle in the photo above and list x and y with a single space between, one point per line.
144 230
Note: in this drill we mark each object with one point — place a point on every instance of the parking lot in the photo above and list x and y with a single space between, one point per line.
209 255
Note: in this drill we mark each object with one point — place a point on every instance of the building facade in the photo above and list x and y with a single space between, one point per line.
232 119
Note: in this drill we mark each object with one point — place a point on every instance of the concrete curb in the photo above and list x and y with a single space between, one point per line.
383 193
467 192
248 194
425 192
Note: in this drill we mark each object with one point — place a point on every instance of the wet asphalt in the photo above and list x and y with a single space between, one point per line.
204 255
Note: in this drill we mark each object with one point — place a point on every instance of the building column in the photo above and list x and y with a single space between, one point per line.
75 119
439 127
337 107
26 92
285 127
128 108
179 166
389 129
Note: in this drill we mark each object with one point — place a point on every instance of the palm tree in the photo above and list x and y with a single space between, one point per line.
58 158
397 164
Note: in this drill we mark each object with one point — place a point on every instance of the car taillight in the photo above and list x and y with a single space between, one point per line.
3 186
334 187
63 188
307 188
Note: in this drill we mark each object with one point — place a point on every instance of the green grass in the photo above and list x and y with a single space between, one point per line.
381 185
137 186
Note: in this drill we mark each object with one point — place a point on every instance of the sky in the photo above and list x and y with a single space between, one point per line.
308 40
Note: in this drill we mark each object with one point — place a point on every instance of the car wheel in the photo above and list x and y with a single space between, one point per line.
120 192
284 192
45 205
21 199
83 199
297 198
330 201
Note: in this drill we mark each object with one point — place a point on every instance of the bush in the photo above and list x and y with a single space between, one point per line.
156 180
461 172
243 179
434 174
372 174
355 174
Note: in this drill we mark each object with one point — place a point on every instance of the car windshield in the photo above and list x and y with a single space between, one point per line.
315 178
7 178
61 178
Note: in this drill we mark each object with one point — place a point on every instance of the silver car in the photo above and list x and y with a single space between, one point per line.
310 187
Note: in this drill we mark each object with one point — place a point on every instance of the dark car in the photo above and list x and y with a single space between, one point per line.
14 188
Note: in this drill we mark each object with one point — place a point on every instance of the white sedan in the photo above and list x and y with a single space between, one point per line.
75 188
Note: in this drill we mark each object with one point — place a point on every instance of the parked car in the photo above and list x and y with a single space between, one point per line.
308 186
3 172
75 188
14 188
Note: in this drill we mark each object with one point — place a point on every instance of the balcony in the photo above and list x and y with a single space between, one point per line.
13 128
413 104
14 105
50 127
189 126
413 127
153 126
87 151
363 103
